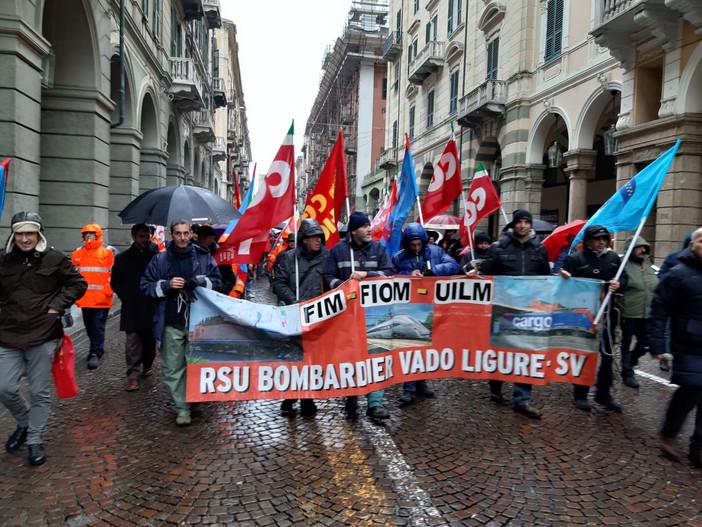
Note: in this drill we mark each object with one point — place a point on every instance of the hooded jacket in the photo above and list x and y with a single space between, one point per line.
309 267
431 259
678 298
641 281
94 262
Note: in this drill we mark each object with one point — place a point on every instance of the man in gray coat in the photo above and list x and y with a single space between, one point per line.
307 278
36 284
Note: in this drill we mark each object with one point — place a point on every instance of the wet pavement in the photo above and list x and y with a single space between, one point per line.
117 458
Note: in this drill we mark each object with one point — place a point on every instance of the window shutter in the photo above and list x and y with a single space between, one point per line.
493 50
450 17
554 28
428 32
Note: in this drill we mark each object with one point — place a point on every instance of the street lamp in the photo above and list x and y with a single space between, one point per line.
555 156
610 142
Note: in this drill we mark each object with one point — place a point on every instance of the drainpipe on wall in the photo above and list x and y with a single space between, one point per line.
120 100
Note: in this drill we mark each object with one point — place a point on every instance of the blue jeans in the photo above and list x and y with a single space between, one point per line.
520 395
95 319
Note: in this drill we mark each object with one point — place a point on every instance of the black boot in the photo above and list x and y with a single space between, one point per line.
17 439
36 455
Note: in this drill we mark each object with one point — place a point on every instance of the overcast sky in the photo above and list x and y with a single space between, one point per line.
281 47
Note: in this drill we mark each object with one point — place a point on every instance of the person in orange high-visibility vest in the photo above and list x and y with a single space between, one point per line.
94 261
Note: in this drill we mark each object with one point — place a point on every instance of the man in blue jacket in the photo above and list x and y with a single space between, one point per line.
418 258
358 257
171 277
678 298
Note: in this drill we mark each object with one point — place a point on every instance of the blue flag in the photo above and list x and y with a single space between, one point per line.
632 203
4 174
407 193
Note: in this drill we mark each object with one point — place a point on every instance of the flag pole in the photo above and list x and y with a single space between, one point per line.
470 234
625 259
294 219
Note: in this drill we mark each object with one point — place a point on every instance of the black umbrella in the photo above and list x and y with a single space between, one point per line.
161 206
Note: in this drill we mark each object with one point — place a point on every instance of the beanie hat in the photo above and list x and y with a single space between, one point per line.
357 220
595 231
27 222
206 230
481 237
521 214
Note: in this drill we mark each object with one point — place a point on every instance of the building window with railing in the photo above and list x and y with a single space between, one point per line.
554 29
412 114
412 50
493 50
453 99
430 110
454 15
431 29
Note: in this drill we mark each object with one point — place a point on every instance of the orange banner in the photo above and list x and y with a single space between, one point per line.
369 335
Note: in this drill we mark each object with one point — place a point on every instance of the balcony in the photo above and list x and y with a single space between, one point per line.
427 61
219 150
186 88
211 8
219 93
486 102
350 148
388 159
392 48
203 126
192 9
624 21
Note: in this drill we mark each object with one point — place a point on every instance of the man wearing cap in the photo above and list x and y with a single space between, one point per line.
94 261
516 253
597 261
36 284
358 257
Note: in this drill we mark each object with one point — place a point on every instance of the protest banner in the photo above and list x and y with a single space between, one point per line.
368 335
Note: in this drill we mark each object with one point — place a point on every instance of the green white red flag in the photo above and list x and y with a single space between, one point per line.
482 200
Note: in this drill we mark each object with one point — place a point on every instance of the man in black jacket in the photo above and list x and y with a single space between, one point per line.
305 277
597 261
517 253
206 238
136 318
36 284
678 298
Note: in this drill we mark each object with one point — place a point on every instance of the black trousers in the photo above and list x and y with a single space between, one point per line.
632 327
603 385
683 401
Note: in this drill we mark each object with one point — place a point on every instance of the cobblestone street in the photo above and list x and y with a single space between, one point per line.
117 458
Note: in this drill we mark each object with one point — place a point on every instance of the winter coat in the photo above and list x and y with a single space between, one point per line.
30 285
155 281
478 255
641 281
137 309
586 264
510 257
678 297
370 257
432 260
309 269
671 260
94 262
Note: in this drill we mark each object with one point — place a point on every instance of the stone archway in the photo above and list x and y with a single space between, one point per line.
152 163
75 121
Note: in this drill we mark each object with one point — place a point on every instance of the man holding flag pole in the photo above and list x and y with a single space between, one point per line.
626 210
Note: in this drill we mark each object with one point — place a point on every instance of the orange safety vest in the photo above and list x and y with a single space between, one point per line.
94 262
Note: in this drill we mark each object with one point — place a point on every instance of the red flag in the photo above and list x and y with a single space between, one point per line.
327 200
237 191
445 185
272 204
482 200
381 219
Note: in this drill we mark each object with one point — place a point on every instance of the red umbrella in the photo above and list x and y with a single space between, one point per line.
443 221
561 235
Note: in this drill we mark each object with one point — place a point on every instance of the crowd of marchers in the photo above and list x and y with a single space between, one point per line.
659 311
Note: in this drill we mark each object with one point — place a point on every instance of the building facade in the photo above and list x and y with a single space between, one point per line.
352 98
541 93
120 100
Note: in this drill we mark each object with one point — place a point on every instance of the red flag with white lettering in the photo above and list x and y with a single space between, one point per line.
381 219
327 200
445 185
482 200
271 205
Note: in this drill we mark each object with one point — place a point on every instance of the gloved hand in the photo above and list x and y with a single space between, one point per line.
190 284
429 272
